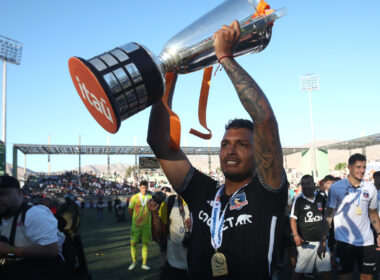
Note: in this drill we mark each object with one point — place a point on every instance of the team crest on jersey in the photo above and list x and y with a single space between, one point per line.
365 194
319 205
239 201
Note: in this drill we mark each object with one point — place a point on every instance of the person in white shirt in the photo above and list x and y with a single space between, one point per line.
352 202
33 245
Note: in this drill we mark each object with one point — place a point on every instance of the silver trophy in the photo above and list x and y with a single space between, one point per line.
124 81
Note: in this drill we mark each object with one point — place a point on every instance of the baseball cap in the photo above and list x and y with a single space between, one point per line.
9 182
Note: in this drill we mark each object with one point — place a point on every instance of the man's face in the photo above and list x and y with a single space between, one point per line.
9 201
308 186
357 170
143 189
237 155
327 185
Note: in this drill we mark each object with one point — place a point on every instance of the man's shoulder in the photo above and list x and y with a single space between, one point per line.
39 214
369 186
339 185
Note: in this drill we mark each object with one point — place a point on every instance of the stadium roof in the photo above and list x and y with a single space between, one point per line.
28 149
354 143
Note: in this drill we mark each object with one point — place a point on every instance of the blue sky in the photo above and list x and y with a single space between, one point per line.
339 40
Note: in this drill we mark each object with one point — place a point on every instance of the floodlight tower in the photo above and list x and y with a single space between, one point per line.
10 51
310 82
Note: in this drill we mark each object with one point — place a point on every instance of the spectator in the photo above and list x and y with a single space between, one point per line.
171 226
35 245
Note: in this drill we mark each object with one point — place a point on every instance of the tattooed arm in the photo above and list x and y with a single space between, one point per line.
268 152
375 220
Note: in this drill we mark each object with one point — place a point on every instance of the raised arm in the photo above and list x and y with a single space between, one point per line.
174 163
268 152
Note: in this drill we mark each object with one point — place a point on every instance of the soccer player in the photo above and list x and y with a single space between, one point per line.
352 203
235 225
141 224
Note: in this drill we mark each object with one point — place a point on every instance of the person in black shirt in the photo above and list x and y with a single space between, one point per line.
235 225
306 221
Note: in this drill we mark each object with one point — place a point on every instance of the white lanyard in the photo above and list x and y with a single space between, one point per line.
217 222
143 203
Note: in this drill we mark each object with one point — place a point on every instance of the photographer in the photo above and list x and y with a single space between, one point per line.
30 242
171 229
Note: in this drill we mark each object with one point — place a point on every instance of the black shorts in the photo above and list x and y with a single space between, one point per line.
172 273
347 255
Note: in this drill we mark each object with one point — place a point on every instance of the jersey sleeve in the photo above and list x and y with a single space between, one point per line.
295 209
373 202
195 187
332 199
132 202
41 226
163 212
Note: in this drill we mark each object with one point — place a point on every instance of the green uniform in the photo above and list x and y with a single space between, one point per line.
141 219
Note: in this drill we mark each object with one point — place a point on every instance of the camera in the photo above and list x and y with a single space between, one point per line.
186 240
159 197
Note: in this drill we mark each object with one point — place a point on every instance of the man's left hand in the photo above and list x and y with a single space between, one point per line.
226 39
378 243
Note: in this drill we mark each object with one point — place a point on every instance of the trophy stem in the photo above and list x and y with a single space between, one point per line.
255 36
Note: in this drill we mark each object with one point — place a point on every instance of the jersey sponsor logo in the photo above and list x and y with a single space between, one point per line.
319 205
239 201
310 218
230 222
307 207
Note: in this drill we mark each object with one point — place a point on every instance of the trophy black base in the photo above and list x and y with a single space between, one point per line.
128 77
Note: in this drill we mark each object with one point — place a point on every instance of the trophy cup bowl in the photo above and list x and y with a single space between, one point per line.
124 81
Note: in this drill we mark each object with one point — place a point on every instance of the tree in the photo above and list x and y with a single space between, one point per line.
129 170
340 166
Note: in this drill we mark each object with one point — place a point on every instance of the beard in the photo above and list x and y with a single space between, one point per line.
237 177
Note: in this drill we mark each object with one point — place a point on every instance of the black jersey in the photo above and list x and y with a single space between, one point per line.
250 227
309 215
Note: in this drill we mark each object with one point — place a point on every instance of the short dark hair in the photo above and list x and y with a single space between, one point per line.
376 174
356 157
328 178
7 181
307 179
239 123
144 183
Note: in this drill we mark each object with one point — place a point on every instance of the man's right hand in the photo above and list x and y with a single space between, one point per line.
298 240
321 249
153 207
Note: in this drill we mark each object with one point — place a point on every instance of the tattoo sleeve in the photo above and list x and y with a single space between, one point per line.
268 152
374 217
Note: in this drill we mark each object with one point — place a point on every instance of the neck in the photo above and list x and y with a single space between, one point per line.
231 187
353 181
309 196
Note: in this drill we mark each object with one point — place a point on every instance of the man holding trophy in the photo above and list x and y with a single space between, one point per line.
235 225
